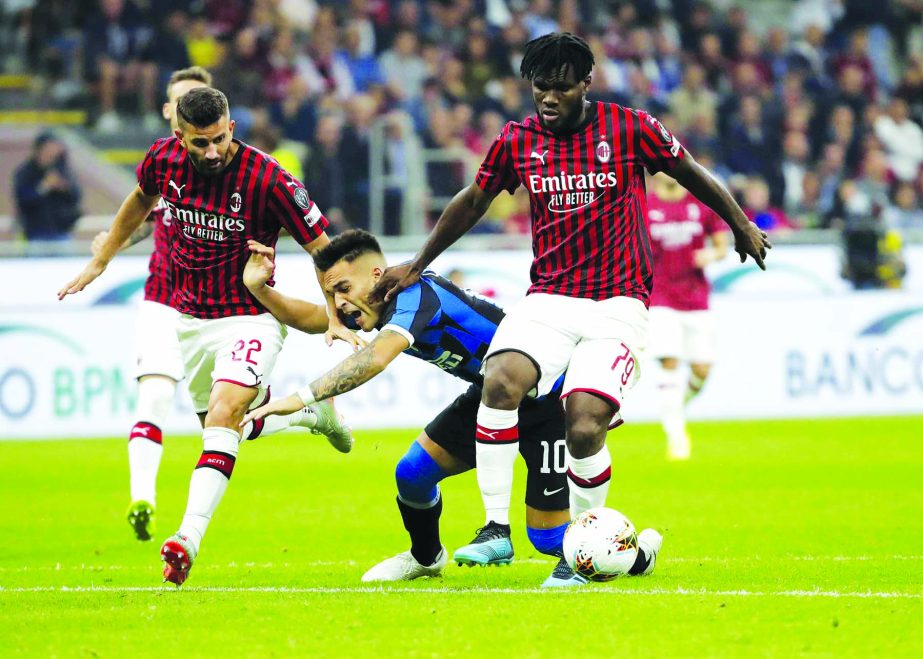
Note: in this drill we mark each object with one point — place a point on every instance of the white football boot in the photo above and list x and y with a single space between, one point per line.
404 567
650 542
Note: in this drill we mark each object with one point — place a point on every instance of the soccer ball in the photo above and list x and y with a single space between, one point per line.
601 544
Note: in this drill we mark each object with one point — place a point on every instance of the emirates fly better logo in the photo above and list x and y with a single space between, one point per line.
571 192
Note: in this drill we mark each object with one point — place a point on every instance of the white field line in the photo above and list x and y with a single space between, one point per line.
89 567
655 592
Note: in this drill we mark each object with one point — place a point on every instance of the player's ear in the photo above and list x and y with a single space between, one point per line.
377 272
178 133
586 83
231 125
165 111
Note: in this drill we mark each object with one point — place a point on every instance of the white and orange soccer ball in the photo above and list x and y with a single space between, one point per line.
601 544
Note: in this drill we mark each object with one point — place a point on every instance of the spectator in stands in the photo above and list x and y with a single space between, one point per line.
906 213
795 166
693 99
203 48
757 207
403 68
901 138
807 210
47 193
748 143
325 170
363 66
118 56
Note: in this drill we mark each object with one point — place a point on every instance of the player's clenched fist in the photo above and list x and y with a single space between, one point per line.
260 265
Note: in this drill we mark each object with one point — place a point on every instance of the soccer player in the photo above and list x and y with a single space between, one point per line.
159 361
220 193
685 237
586 312
435 321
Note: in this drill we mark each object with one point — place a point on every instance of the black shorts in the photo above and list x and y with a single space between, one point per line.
541 443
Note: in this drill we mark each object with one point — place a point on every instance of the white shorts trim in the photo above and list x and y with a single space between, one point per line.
156 344
690 336
238 349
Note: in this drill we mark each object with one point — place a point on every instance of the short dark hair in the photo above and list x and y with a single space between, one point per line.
202 107
548 54
196 73
348 246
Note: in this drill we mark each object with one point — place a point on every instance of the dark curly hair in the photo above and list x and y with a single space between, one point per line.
548 54
202 107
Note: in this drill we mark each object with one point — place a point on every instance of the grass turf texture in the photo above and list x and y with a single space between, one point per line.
781 538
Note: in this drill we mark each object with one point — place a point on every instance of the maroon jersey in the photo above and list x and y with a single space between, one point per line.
213 217
678 230
589 237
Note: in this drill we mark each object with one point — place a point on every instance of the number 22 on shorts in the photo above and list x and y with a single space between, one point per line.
254 346
628 362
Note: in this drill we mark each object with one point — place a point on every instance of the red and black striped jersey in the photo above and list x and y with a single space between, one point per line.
586 188
158 287
214 216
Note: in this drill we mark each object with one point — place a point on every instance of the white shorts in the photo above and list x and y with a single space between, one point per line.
686 335
156 344
237 349
597 343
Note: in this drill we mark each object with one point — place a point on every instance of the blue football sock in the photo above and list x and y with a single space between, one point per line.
548 541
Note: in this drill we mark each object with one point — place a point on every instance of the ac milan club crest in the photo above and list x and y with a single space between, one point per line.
236 202
603 151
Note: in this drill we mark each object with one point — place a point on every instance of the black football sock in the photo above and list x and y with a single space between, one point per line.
423 526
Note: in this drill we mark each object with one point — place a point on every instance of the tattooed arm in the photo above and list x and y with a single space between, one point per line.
353 371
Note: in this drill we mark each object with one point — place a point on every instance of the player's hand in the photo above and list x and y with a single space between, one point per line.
93 270
336 330
98 241
703 257
753 242
393 281
281 407
260 265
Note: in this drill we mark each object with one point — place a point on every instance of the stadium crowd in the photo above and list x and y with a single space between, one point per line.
813 124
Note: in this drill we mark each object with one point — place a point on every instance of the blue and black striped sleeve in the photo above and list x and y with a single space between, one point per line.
413 310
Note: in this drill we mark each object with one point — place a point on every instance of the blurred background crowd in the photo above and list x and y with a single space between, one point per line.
810 110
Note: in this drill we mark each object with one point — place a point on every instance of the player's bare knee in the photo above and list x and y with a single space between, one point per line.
225 414
507 379
586 434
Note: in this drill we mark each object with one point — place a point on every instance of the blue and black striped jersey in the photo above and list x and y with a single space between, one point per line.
446 326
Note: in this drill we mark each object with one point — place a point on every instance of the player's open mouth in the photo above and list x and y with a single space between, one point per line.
550 115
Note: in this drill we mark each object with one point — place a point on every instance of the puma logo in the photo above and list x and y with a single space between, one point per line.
540 156
255 374
490 435
178 188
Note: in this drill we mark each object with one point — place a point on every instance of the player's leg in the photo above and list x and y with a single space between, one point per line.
547 513
419 500
145 447
231 356
603 368
527 355
159 368
445 448
666 345
701 342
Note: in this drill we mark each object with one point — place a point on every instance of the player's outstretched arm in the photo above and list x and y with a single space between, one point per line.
462 213
300 314
353 371
139 234
749 240
136 207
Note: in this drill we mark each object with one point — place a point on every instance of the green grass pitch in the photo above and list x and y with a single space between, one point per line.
798 538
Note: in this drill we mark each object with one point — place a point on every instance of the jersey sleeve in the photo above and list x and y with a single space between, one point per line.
497 172
147 171
290 205
658 148
414 309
